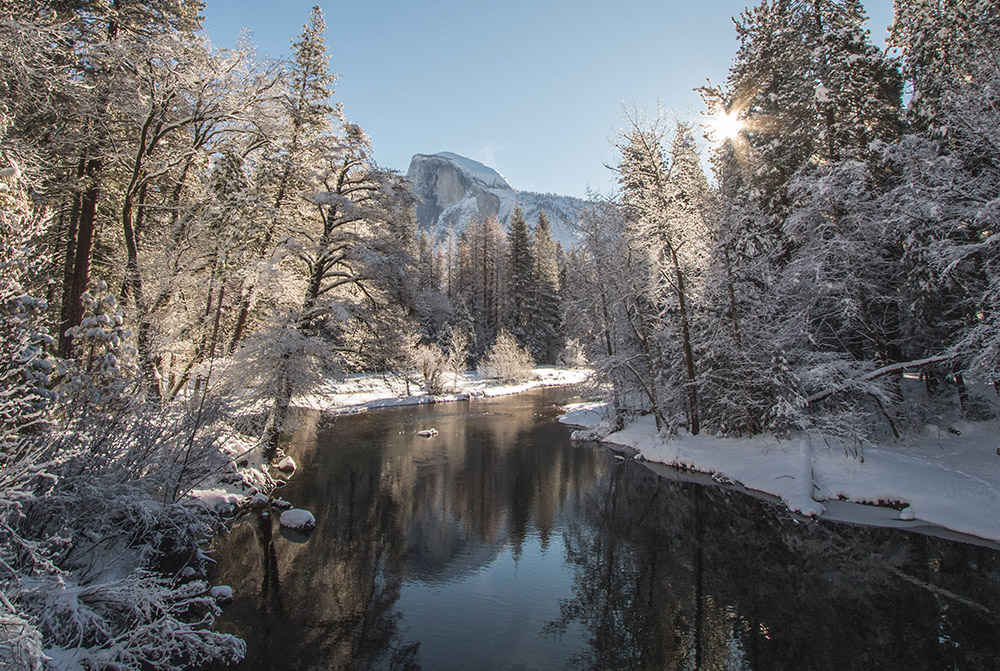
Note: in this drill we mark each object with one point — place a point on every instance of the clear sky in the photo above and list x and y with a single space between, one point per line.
533 88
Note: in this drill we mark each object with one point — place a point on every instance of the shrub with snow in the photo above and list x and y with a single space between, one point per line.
92 492
507 361
431 365
574 355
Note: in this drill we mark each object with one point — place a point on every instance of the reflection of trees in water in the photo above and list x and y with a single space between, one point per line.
327 603
484 481
383 496
673 575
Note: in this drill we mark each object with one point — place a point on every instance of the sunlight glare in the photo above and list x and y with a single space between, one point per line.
726 126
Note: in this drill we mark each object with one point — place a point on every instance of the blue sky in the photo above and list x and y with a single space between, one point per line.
533 88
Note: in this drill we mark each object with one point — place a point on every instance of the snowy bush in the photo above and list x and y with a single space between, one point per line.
104 366
94 520
25 368
459 344
431 365
101 599
574 355
507 361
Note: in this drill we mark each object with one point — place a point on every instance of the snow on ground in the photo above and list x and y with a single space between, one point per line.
941 478
588 414
244 475
358 393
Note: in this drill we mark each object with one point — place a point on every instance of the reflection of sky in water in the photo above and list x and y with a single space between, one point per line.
495 614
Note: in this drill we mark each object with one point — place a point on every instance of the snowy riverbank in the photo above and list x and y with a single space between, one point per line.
359 393
941 478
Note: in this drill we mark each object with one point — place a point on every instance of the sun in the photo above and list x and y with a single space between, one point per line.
725 126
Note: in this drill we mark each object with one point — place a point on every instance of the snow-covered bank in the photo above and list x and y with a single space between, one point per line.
358 393
939 478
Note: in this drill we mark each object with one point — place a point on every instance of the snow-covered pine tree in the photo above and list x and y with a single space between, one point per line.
799 184
839 290
26 367
944 205
772 90
286 170
858 87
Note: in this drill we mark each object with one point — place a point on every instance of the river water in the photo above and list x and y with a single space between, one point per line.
498 544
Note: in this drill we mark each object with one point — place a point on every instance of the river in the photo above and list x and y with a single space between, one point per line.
499 544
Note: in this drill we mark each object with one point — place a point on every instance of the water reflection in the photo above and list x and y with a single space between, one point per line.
499 544
677 575
394 506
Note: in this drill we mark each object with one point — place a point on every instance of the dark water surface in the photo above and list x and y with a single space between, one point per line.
498 544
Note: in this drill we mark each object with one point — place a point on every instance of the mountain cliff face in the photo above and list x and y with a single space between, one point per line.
454 189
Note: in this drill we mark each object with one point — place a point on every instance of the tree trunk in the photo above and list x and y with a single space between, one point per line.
692 389
66 307
84 248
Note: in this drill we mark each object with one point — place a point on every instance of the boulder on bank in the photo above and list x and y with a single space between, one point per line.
298 519
286 465
222 594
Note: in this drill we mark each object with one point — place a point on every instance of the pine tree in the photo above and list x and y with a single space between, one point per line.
859 88
547 338
480 278
519 294
948 176
799 188
287 170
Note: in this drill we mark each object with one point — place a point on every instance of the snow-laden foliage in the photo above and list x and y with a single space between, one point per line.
847 239
507 361
25 366
92 487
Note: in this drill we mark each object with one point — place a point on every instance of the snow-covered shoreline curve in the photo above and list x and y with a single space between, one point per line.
939 478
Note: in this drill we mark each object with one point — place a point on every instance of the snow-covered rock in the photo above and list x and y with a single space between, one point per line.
221 593
258 501
298 519
286 465
223 499
281 504
454 189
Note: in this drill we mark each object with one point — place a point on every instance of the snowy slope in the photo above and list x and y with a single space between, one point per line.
454 189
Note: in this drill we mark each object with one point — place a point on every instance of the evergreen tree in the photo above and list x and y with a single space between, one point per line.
287 169
947 177
547 338
480 278
799 187
519 295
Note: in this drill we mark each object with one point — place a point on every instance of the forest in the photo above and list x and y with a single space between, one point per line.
192 236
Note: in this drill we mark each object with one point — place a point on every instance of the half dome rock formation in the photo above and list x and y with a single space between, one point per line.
453 189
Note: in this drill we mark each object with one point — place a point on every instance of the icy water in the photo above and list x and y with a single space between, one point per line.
498 544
